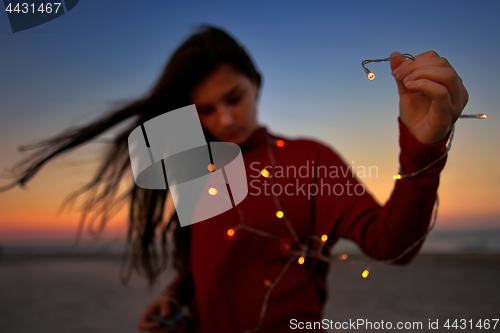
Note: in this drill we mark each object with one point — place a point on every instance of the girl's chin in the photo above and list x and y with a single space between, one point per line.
237 138
241 139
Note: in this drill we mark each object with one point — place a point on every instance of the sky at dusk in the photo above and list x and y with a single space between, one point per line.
71 70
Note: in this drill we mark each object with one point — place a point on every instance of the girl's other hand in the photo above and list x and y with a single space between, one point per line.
162 307
432 95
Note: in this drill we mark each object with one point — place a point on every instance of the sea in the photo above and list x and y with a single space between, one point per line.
437 242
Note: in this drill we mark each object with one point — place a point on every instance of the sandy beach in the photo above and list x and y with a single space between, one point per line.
82 293
432 287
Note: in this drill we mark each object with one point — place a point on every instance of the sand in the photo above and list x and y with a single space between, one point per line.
83 293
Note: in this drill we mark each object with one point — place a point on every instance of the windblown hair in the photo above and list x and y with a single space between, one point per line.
201 53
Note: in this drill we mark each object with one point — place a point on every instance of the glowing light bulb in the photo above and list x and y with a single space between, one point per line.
212 191
324 238
301 260
370 75
280 143
343 257
264 173
365 274
230 232
211 167
397 176
267 283
279 214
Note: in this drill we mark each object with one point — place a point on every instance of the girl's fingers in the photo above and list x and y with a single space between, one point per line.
444 76
144 323
411 66
438 93
397 63
164 307
422 56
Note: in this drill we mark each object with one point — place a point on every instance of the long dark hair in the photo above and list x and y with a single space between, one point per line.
201 53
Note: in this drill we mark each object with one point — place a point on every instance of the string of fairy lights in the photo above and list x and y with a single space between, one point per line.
304 249
369 73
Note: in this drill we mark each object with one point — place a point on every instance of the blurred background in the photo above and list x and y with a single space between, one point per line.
69 71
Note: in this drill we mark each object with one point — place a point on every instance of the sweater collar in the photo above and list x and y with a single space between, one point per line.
257 139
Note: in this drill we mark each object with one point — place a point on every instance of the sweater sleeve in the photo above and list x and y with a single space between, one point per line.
181 288
383 232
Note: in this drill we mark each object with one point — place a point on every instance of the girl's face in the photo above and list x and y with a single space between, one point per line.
226 104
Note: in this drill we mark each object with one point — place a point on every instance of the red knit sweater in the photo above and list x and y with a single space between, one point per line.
228 274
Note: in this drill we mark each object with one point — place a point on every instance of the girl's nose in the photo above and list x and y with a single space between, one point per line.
225 117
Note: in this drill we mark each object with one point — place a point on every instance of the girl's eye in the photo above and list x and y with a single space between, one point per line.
205 112
234 99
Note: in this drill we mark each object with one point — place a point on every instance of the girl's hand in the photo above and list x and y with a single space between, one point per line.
161 306
431 93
